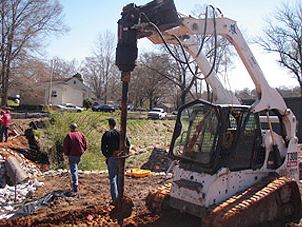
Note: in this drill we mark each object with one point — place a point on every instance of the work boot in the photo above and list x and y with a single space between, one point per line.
75 188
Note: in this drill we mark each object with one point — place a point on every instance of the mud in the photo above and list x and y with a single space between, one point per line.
92 205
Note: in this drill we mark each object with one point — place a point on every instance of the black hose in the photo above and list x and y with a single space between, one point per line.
182 48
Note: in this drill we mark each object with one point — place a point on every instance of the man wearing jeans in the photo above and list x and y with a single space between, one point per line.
75 144
110 144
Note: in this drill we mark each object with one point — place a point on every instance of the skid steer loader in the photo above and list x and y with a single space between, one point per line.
231 171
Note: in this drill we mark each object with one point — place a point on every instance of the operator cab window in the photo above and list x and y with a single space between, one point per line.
241 154
274 120
229 135
198 133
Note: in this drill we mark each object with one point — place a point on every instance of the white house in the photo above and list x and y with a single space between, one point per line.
67 90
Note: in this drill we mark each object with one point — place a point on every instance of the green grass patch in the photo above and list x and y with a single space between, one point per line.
143 134
39 133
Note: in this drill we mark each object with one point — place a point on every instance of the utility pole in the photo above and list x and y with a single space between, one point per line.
50 81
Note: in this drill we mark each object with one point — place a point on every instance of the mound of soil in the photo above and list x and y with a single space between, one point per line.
159 161
91 206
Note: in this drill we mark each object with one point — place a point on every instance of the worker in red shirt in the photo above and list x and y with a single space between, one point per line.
75 144
1 118
5 122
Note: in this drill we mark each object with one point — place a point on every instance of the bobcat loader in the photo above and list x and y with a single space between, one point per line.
231 170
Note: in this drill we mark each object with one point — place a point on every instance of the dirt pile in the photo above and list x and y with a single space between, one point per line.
159 161
30 167
18 176
91 206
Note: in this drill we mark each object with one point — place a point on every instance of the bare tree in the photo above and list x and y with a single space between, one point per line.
114 88
32 69
99 68
24 26
289 92
150 83
28 74
63 69
246 93
26 79
92 74
175 72
182 77
136 91
283 35
185 76
218 52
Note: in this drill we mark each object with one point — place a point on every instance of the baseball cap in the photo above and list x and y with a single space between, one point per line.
73 126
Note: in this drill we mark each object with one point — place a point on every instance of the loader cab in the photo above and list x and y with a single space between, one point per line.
208 137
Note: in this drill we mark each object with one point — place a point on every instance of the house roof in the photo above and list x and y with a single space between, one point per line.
77 75
64 81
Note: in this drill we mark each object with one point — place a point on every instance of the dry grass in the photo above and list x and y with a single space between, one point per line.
144 135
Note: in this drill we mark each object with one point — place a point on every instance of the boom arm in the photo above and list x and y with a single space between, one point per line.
267 97
221 95
135 23
228 28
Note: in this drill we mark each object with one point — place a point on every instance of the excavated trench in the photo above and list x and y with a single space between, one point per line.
23 140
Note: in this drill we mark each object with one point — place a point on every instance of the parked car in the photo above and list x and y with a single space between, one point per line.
175 112
95 104
103 108
69 107
116 106
157 113
130 107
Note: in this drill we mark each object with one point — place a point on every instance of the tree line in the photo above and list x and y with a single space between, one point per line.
158 79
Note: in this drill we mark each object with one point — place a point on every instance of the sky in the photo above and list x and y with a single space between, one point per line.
87 19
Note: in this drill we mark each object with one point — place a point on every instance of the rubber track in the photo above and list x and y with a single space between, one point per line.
272 199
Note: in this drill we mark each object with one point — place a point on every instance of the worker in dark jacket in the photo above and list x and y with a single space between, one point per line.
75 144
110 145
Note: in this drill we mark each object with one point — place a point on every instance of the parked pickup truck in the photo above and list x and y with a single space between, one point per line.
157 113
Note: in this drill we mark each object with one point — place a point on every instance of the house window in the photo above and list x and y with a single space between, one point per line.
54 94
74 82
